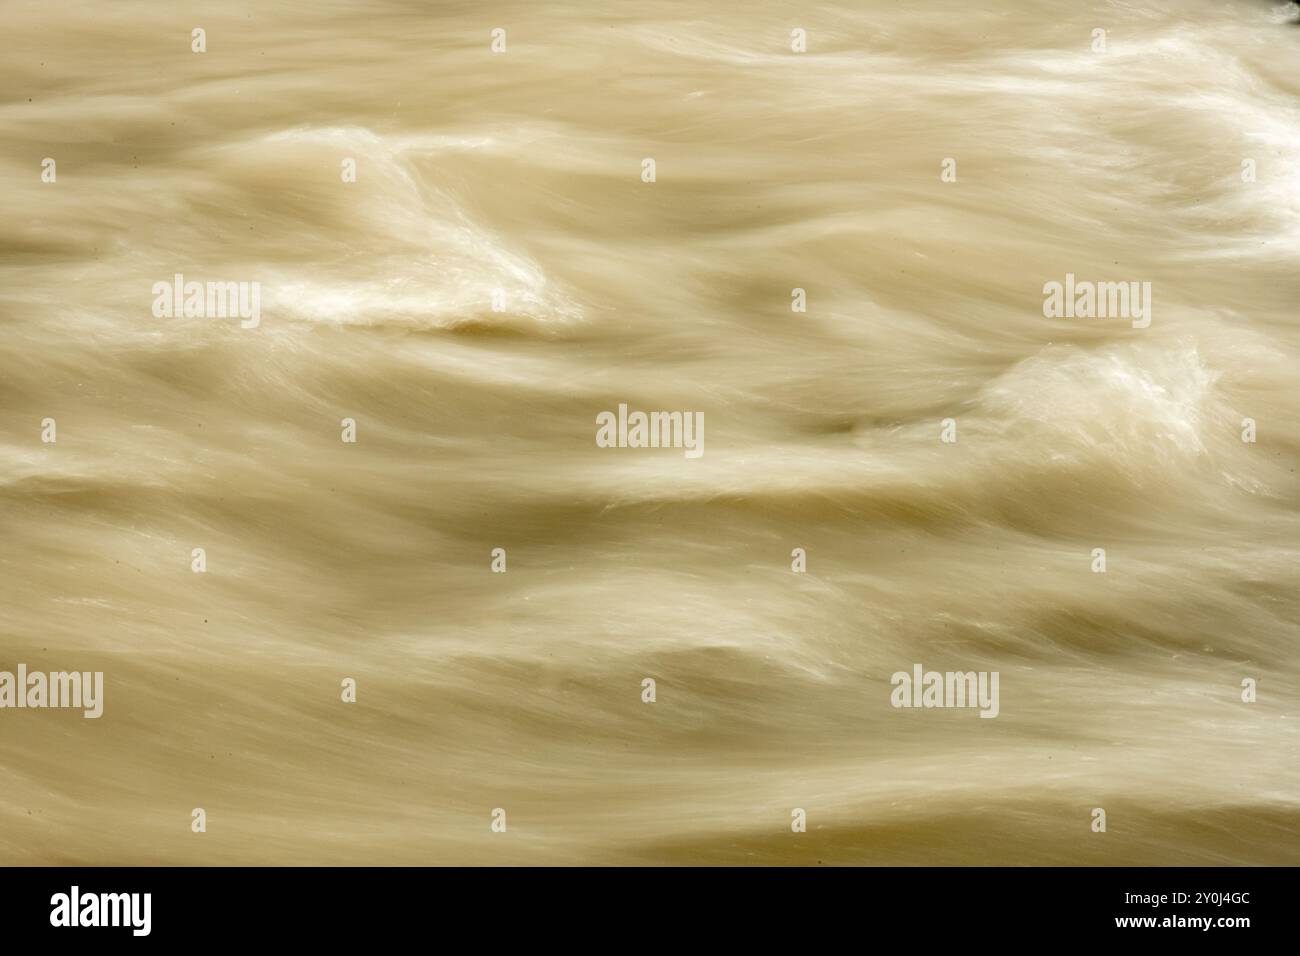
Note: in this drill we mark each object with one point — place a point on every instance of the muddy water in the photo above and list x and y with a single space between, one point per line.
498 275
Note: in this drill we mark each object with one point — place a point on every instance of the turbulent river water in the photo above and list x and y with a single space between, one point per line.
839 255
